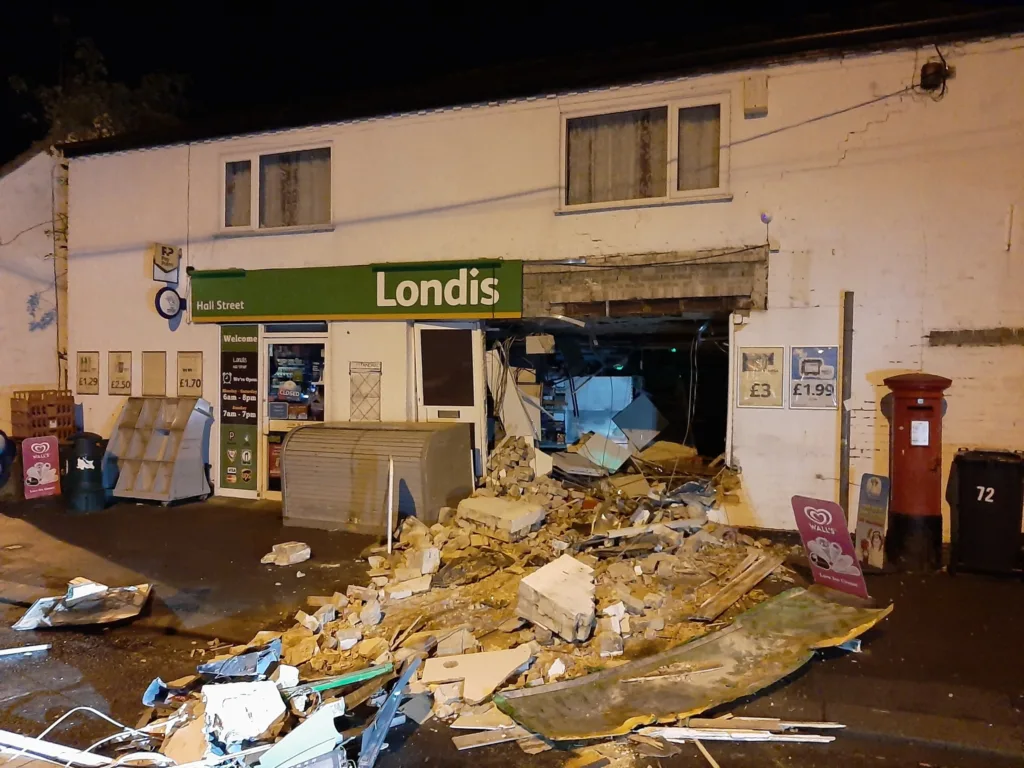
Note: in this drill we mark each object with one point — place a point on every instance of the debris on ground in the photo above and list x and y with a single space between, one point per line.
550 606
24 650
85 602
288 553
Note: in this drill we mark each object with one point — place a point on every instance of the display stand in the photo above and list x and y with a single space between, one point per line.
159 445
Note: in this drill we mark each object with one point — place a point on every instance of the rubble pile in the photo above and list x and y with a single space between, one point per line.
529 582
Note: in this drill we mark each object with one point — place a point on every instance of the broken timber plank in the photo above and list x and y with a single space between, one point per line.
736 588
41 748
486 738
722 734
759 724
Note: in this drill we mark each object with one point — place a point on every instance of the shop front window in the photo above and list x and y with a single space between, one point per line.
296 382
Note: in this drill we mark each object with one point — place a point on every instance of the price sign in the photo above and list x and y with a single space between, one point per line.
814 377
190 374
760 377
88 373
119 373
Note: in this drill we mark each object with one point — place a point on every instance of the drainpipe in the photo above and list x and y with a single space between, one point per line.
59 232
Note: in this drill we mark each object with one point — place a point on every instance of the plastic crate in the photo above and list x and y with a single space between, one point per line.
38 413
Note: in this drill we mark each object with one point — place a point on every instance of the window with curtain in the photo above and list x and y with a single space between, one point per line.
295 188
238 194
617 156
700 145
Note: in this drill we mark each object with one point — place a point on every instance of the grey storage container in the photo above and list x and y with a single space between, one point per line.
335 476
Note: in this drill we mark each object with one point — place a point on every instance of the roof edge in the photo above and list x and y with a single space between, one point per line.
884 38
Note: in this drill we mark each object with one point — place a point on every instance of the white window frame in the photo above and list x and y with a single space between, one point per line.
253 156
675 196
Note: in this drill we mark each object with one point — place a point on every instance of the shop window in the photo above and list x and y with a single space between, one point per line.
628 157
292 189
446 357
700 149
296 383
619 156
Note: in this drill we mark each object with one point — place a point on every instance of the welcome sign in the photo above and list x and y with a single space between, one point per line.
434 290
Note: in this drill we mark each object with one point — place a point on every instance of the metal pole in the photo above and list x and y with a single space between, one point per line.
847 386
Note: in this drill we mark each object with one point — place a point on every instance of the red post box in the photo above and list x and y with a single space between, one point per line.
913 540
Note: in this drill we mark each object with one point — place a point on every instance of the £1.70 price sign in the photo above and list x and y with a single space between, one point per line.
814 377
760 377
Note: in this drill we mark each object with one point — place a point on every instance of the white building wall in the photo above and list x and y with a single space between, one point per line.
872 187
28 310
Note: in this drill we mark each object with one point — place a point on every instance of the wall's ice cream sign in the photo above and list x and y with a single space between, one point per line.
435 290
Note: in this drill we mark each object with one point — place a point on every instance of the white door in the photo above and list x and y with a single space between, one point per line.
293 380
450 383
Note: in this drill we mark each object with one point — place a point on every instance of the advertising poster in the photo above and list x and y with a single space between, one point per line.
872 511
119 373
761 377
239 406
88 373
814 377
829 547
41 466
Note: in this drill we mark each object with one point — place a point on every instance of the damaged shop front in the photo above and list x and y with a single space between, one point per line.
621 363
589 360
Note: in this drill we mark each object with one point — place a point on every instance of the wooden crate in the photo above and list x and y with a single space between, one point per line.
38 413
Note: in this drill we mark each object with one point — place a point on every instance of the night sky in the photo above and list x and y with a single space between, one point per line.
312 61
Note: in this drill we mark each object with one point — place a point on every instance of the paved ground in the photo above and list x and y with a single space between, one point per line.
945 669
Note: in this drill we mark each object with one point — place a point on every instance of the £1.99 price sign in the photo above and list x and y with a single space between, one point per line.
814 377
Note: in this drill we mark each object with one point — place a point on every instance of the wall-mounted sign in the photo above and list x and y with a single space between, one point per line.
760 374
166 263
168 303
826 538
88 373
154 374
434 290
814 377
190 374
239 406
41 466
872 512
119 373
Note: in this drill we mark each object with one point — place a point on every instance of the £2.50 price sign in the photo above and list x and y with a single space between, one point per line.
760 377
813 377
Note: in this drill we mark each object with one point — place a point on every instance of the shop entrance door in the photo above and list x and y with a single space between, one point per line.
293 382
450 384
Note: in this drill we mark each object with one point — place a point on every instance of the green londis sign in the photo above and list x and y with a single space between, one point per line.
435 290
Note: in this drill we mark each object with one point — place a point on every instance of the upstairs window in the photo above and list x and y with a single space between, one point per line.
291 189
675 151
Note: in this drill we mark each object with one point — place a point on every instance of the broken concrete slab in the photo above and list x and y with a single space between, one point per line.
371 613
560 597
458 642
488 718
366 594
405 589
480 673
501 518
288 553
425 561
762 646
